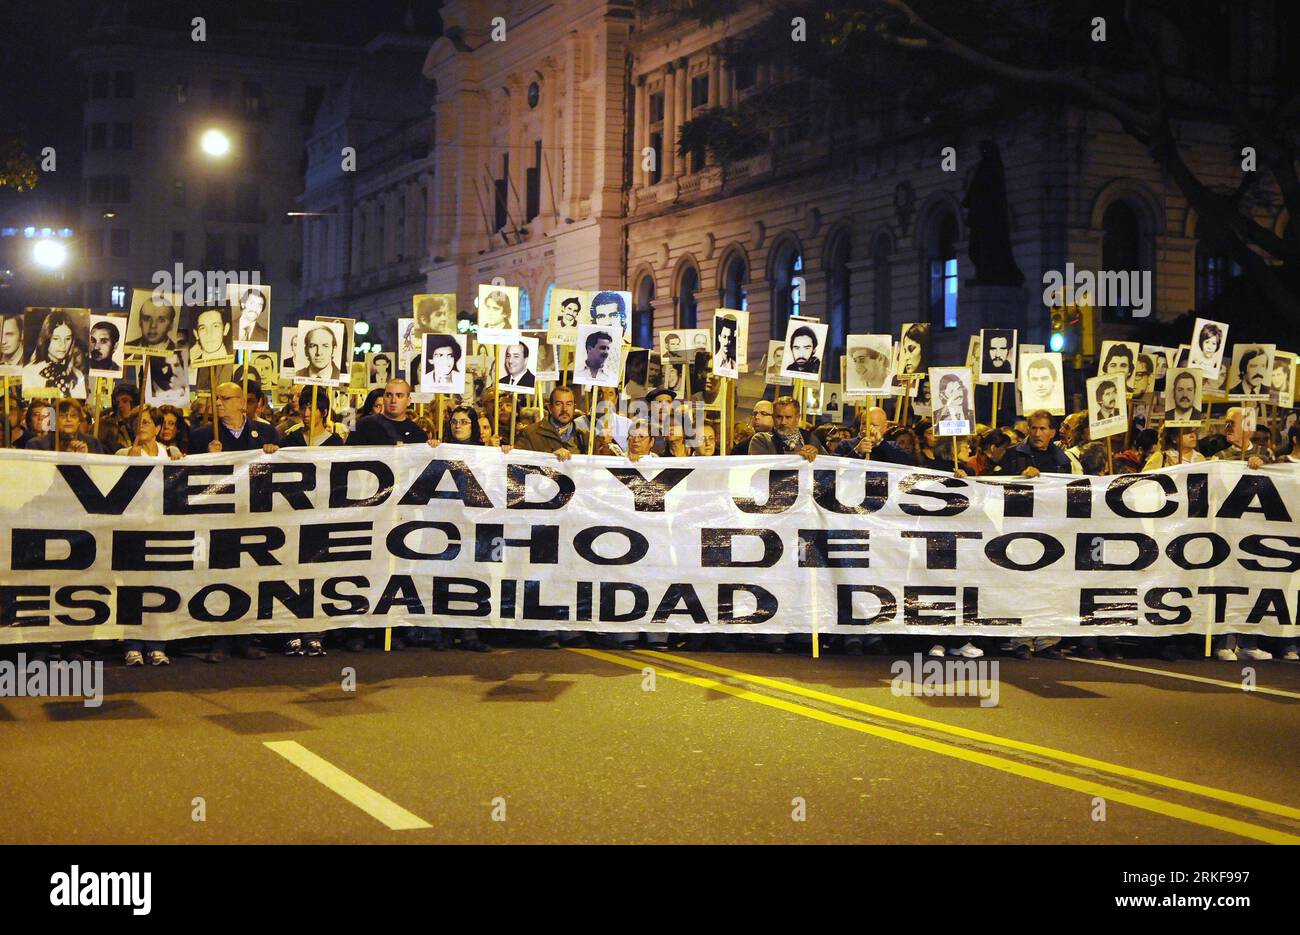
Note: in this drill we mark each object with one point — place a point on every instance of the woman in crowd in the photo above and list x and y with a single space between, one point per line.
146 445
148 425
907 442
374 404
1177 446
707 445
926 435
17 429
40 420
943 452
993 446
173 430
320 435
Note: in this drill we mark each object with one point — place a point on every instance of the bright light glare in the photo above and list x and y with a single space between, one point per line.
50 254
1056 342
214 143
362 327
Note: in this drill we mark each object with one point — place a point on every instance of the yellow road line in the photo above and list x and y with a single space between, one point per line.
1182 785
1061 780
1236 686
354 790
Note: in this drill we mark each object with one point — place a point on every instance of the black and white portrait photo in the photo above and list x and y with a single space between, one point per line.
726 340
775 361
681 344
1162 357
169 382
952 400
289 342
434 313
58 363
442 367
868 358
380 368
154 323
107 344
565 314
321 353
1041 385
209 337
1282 388
546 367
1251 371
346 356
518 358
913 348
1143 378
267 367
1209 341
805 341
252 316
997 355
612 310
1117 358
1107 405
498 313
597 357
11 345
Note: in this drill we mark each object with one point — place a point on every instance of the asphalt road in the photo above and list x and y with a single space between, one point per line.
529 745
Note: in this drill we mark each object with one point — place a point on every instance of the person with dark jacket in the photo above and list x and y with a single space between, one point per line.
393 426
557 432
66 437
233 430
786 436
870 443
320 436
1036 455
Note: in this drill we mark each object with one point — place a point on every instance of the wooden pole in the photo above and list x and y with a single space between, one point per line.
496 396
1110 466
99 387
954 452
591 423
311 416
4 385
441 417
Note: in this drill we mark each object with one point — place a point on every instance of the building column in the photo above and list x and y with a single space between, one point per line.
640 135
715 77
683 107
667 158
724 77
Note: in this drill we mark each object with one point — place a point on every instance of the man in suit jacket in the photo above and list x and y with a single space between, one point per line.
252 324
515 358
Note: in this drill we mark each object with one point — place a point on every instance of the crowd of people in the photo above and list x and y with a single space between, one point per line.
659 425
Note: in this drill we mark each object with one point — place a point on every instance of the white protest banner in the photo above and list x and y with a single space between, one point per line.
98 547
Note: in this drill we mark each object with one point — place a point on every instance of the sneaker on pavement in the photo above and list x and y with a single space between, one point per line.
476 646
293 647
1291 655
1090 652
1257 654
314 648
1226 655
969 651
253 652
134 657
1023 652
159 658
937 651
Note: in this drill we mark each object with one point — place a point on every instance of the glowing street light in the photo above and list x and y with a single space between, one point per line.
214 143
49 253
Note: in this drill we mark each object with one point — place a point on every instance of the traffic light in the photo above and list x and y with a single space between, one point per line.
1060 326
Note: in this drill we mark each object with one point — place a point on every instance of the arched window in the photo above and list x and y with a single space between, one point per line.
942 261
643 311
882 288
837 281
733 284
787 269
546 307
687 307
1214 267
1121 250
525 308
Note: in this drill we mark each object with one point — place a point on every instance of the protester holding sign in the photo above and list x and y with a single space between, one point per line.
233 430
69 437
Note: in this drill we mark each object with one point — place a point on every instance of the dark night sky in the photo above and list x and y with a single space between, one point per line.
40 86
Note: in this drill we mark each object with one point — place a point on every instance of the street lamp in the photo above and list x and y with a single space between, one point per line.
50 254
214 143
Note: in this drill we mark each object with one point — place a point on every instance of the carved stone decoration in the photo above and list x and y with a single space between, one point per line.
758 232
709 241
904 206
814 221
663 254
